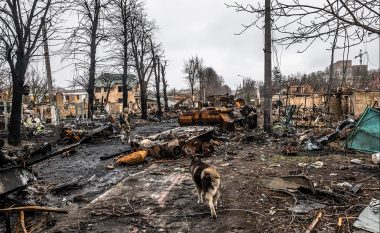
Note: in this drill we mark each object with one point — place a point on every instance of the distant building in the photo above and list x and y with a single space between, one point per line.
350 74
71 103
4 95
298 90
359 73
375 81
111 85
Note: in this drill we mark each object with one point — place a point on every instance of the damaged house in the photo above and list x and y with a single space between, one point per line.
71 103
109 92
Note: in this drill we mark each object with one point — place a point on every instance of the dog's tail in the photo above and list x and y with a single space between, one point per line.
209 177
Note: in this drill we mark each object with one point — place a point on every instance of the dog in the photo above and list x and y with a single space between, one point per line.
207 181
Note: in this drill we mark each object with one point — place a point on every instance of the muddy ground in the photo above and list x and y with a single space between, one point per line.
159 195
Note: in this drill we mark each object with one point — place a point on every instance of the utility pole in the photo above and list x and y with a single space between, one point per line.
360 55
268 69
331 72
49 76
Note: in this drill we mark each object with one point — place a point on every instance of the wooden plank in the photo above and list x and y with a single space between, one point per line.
22 221
33 208
314 223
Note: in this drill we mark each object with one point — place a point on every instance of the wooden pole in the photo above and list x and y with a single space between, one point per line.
49 76
268 69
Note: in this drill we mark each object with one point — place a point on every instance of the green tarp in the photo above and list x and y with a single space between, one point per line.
366 135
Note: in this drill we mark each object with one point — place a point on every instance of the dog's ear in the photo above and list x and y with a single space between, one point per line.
195 158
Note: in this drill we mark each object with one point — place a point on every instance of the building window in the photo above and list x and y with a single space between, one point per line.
78 97
98 89
120 100
105 89
120 88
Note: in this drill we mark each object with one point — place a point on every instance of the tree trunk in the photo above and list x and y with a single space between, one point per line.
125 77
14 128
91 85
192 96
91 81
158 99
144 103
158 81
108 94
165 85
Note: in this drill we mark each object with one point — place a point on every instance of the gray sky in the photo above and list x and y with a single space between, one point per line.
206 28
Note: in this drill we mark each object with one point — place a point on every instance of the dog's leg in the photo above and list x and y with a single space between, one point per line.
200 196
216 198
209 199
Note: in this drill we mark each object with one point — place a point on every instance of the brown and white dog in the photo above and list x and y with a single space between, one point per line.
207 181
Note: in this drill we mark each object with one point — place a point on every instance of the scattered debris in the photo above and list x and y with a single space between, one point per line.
376 158
356 188
227 117
318 164
21 210
14 179
241 154
289 183
345 185
318 144
225 164
133 158
356 161
74 183
314 223
305 206
369 219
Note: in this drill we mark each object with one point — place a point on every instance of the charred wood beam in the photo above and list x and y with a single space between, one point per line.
33 208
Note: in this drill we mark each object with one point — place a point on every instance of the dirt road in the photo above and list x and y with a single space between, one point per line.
160 197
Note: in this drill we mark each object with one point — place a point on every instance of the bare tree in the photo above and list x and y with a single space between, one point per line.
247 90
107 81
141 30
85 39
121 15
193 70
20 36
81 81
212 84
38 87
299 21
164 84
156 54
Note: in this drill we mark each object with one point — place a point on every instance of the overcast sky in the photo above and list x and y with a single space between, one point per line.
206 28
